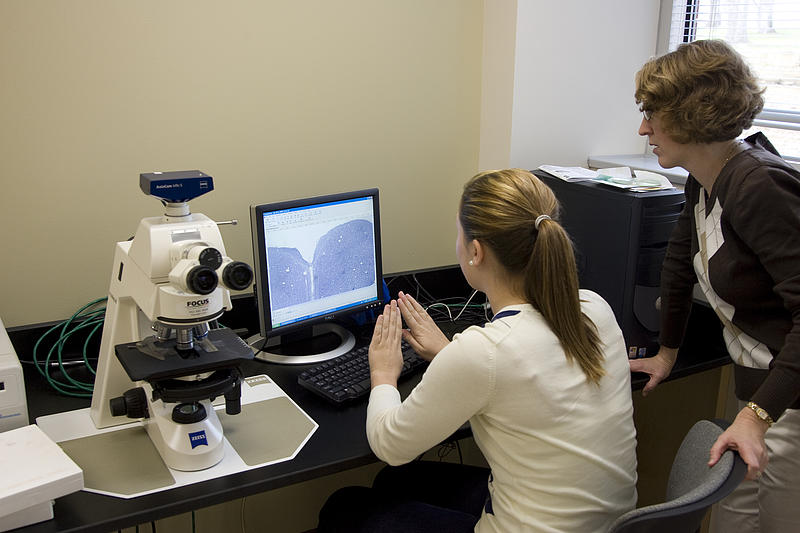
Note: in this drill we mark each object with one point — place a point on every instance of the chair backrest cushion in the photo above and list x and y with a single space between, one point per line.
691 478
692 488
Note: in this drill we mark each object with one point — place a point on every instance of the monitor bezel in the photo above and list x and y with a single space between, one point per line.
261 287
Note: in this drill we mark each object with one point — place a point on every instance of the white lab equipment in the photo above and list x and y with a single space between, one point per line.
35 472
160 361
13 406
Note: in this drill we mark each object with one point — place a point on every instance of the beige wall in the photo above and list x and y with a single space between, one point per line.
497 83
274 99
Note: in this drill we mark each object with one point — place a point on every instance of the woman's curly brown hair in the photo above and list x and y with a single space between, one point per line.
703 92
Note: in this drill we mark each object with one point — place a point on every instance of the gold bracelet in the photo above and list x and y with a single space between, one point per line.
761 413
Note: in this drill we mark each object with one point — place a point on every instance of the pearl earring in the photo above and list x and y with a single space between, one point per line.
471 263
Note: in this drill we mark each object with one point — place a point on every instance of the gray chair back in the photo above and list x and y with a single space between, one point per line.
692 487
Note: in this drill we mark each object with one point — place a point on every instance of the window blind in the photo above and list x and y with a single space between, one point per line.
767 34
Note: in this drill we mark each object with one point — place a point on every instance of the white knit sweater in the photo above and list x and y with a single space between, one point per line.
562 450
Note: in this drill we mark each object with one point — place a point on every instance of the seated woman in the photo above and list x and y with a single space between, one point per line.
545 387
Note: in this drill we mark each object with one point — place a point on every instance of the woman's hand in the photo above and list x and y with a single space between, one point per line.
745 435
385 358
658 367
422 334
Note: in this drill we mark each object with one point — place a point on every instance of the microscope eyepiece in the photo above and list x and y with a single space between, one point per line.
202 280
237 275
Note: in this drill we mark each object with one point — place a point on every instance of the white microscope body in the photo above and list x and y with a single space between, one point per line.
173 278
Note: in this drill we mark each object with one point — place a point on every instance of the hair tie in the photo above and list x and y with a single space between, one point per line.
539 220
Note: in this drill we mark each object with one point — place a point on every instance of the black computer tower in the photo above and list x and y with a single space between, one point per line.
620 239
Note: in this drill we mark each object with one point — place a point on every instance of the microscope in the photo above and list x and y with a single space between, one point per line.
161 360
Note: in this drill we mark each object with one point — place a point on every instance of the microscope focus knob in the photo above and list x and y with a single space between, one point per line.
132 403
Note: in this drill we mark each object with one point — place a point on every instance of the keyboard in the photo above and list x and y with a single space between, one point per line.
346 378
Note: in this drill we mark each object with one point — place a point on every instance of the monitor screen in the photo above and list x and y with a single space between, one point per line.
316 259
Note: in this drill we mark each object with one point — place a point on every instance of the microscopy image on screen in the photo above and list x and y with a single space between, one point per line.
343 261
289 277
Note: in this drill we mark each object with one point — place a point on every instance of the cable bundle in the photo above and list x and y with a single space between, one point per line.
441 309
90 317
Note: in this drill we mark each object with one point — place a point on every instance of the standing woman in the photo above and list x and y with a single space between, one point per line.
739 238
545 387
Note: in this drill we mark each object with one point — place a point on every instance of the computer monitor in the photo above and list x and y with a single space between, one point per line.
316 261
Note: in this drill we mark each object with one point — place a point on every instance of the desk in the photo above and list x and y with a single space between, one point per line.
338 444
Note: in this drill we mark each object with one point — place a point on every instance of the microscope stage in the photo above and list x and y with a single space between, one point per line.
150 359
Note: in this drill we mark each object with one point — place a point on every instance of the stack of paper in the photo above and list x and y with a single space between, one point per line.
34 471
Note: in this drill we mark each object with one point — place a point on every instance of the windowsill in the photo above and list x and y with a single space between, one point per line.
649 162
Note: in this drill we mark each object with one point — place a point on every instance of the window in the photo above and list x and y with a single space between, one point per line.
767 34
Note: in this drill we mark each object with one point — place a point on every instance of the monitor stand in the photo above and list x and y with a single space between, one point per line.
310 345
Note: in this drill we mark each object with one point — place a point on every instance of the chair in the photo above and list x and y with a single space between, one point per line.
692 487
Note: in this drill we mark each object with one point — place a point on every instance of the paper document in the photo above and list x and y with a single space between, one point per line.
639 181
569 173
